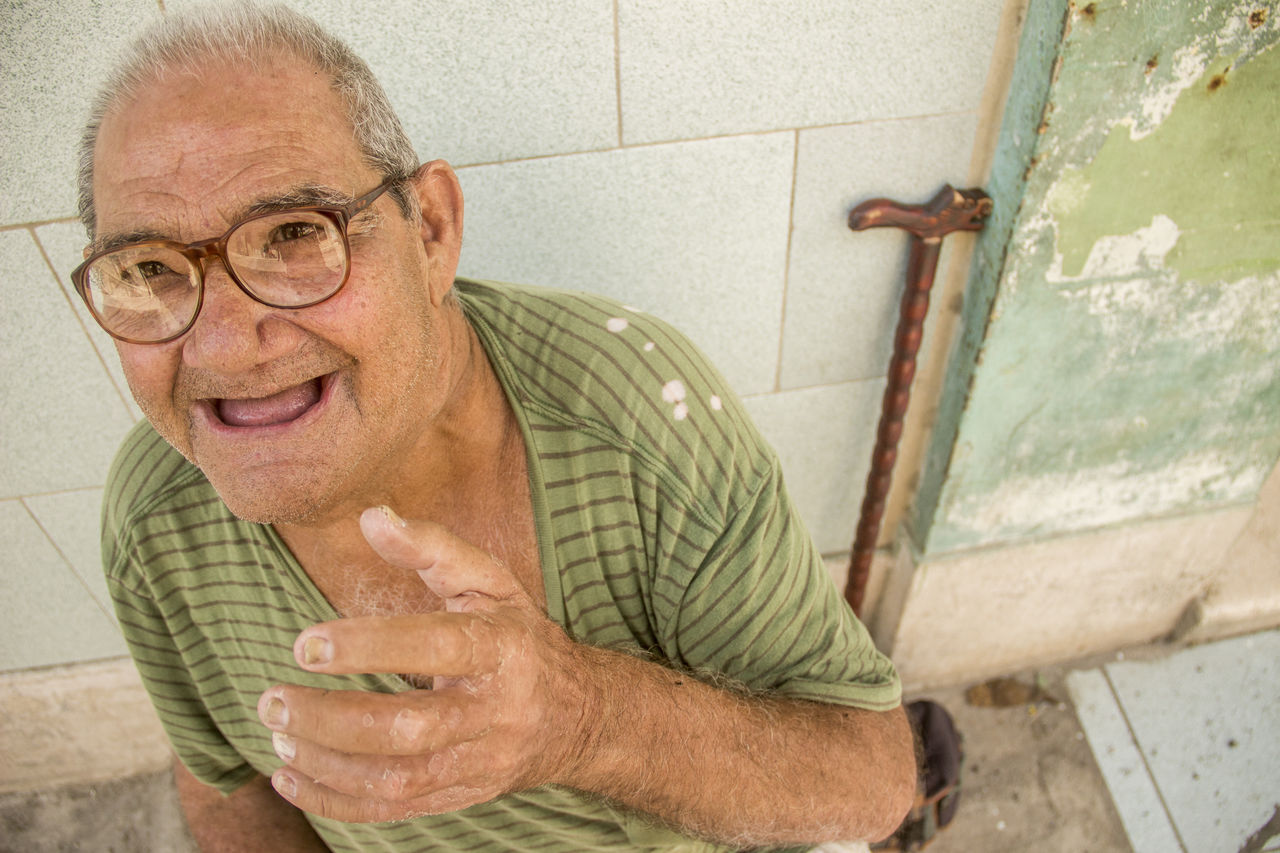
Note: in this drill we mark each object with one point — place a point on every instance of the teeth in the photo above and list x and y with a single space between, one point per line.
278 408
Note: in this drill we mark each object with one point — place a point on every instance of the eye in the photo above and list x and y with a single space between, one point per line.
151 269
149 275
293 231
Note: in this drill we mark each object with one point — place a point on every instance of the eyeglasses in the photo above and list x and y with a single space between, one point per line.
150 292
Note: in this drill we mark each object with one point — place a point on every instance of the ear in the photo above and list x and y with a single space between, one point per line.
440 227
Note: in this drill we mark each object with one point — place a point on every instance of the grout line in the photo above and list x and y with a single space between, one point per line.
844 383
63 669
38 223
707 138
786 263
1142 754
70 566
617 69
629 147
124 400
52 493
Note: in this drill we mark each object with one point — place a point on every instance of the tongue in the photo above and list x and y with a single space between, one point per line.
276 409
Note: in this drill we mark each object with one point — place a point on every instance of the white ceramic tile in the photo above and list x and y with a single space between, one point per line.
55 53
843 287
694 233
824 437
486 80
64 243
1208 721
46 615
690 68
63 417
71 521
1133 791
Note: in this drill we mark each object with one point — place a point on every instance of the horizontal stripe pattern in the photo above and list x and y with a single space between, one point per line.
663 524
686 544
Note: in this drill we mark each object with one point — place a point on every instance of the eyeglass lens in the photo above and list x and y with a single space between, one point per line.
151 291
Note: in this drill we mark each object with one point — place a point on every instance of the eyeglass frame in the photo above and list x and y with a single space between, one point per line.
197 252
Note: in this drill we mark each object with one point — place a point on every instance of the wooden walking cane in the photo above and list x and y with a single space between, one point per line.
949 210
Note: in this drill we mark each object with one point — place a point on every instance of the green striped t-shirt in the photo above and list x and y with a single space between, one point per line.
663 526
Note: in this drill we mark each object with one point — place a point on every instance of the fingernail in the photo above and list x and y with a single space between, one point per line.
276 714
316 650
285 784
285 746
393 516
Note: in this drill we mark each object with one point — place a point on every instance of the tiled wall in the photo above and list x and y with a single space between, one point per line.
694 158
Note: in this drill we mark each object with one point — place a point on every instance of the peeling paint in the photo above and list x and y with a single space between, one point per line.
1238 312
1097 497
1130 366
1112 256
1207 165
1188 66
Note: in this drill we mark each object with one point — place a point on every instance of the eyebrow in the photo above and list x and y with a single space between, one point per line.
125 238
303 195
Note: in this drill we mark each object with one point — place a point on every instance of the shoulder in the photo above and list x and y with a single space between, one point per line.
625 376
151 488
145 470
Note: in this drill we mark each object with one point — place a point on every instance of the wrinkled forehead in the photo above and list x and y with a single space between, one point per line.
193 146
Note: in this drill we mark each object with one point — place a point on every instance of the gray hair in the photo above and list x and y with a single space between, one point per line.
247 33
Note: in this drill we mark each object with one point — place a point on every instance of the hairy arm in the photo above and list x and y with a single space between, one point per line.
253 818
744 769
518 704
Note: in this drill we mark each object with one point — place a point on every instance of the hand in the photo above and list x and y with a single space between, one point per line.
505 713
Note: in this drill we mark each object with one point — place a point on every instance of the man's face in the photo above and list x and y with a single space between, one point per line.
290 413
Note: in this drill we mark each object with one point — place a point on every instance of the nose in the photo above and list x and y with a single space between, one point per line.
233 333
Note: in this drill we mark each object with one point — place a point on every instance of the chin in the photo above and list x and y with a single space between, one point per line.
275 513
271 504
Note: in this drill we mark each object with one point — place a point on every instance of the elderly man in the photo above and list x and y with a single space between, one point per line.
409 562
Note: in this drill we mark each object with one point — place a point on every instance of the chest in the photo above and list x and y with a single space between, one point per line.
498 521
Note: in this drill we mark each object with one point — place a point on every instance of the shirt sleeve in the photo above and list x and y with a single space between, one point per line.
759 607
152 620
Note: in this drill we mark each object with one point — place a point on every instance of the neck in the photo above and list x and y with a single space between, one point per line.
470 450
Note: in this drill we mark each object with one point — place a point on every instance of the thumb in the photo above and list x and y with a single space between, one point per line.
448 565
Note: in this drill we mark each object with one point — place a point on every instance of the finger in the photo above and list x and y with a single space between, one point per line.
450 566
394 778
317 798
452 645
353 721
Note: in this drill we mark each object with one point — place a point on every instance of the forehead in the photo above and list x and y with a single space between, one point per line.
190 150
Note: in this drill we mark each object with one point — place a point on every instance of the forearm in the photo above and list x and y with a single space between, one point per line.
748 770
253 818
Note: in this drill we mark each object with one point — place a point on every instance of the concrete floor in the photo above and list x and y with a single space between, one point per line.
1190 744
1029 781
139 814
1186 744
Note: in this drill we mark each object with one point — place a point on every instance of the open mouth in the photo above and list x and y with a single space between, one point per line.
279 408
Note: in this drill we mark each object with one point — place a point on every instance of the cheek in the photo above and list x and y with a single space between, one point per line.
379 312
150 372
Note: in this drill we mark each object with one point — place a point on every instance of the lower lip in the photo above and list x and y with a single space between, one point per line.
207 416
